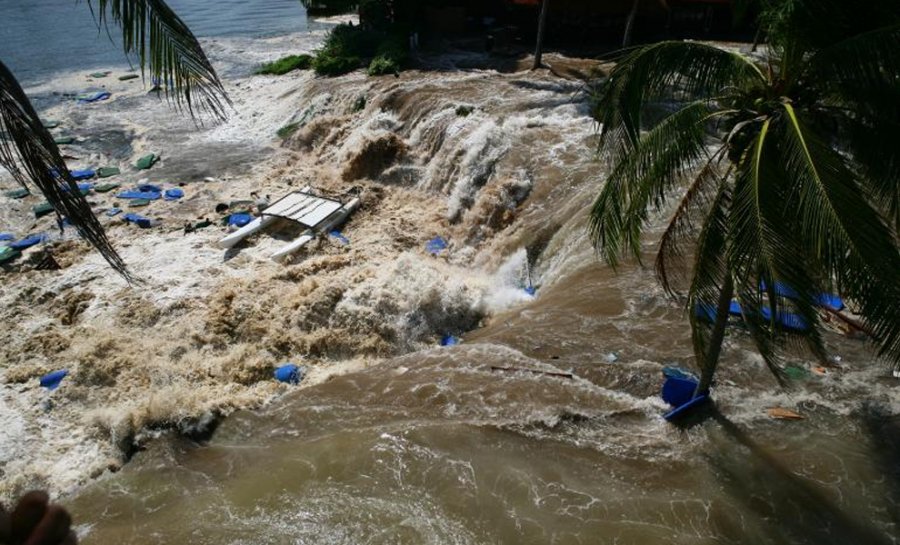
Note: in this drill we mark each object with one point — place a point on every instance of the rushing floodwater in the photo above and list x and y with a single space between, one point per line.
437 445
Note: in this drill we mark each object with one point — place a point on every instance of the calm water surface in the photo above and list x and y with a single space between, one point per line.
40 37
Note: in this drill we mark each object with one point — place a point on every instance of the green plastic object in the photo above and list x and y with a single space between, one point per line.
138 203
61 140
18 193
202 224
51 123
7 254
146 161
106 172
99 74
41 210
796 373
127 77
106 188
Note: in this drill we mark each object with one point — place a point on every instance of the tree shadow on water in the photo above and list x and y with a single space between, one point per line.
795 510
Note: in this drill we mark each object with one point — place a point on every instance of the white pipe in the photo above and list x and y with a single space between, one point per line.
254 226
336 219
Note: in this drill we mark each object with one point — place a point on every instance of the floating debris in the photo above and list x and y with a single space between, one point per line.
780 413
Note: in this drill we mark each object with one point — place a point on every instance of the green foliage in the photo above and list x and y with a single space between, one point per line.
789 175
382 65
327 64
286 64
348 47
288 130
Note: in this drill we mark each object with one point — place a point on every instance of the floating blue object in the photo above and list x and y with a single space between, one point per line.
685 408
7 236
787 320
340 237
84 188
530 290
734 309
782 290
173 194
824 300
150 196
239 220
51 381
113 212
436 245
149 188
29 241
830 301
290 374
93 97
449 340
85 174
678 391
140 221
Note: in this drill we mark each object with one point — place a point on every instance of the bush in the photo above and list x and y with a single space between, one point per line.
286 64
347 46
382 65
326 64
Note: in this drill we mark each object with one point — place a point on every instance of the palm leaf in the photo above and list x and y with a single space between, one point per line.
665 70
844 233
642 178
861 71
28 152
696 203
166 47
710 270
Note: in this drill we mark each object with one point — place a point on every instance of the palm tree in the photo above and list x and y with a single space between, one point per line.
166 48
542 25
787 170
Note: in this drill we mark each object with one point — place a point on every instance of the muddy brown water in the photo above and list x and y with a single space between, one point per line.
436 445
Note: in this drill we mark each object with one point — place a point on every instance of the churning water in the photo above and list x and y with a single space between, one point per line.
472 444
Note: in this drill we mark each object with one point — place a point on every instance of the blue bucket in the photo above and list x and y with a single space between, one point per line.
290 374
51 381
677 391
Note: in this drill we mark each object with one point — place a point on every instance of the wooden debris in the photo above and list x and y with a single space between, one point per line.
533 371
780 413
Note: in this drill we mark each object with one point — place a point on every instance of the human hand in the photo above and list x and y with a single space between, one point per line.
35 522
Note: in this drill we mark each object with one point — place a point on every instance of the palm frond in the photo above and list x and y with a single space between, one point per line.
28 152
765 250
861 71
695 204
642 179
166 47
843 232
876 158
670 69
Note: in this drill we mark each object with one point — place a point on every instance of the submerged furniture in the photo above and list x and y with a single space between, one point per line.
317 214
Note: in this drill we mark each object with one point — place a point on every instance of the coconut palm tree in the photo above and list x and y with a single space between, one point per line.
785 169
164 47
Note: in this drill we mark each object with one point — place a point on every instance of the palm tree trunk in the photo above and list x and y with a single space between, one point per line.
629 24
542 24
711 361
